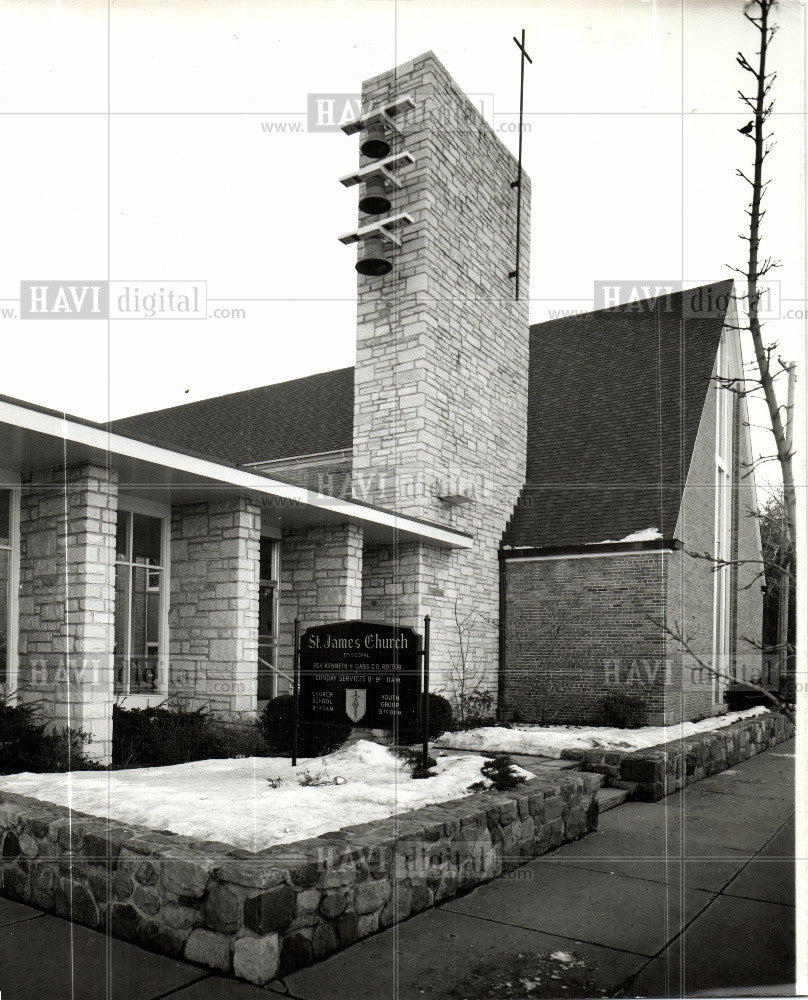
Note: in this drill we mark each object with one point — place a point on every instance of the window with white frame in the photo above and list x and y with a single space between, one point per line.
140 603
722 549
7 624
268 619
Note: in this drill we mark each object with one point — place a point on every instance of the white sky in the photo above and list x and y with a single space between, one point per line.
133 149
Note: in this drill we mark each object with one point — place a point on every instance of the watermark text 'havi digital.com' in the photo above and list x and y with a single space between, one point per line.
71 299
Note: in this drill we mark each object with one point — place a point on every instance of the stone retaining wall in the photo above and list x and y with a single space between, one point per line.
657 771
264 914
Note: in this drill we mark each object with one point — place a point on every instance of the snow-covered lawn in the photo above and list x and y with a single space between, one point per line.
233 800
549 741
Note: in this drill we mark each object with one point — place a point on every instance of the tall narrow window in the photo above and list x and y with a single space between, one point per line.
722 550
139 592
268 620
5 587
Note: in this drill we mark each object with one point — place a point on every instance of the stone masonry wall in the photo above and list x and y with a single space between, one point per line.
67 599
321 580
577 629
655 772
442 359
259 915
213 611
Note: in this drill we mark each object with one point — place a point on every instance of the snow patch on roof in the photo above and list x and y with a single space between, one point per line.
644 535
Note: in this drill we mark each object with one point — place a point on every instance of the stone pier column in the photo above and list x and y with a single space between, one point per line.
213 615
321 579
67 599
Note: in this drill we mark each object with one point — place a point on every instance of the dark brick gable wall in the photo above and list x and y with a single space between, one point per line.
690 580
579 628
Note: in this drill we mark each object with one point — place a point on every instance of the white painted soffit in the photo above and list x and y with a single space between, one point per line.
31 439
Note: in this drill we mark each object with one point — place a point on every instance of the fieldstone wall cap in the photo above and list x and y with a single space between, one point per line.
185 877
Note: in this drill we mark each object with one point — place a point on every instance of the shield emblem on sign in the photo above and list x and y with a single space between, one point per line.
355 703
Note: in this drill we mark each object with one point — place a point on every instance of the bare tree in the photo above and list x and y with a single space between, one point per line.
468 679
678 635
769 365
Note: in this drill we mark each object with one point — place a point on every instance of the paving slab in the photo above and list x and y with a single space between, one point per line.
221 988
741 783
768 879
782 844
450 955
609 910
13 913
691 818
50 958
708 874
616 847
735 943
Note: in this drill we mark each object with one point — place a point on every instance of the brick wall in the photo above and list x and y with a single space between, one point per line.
213 612
577 629
331 477
67 599
442 360
691 580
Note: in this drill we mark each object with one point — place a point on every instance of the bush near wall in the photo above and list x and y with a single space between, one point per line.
28 745
161 736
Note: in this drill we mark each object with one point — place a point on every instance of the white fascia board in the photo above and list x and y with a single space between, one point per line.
117 444
614 553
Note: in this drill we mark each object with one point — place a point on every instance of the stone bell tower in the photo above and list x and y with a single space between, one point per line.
440 407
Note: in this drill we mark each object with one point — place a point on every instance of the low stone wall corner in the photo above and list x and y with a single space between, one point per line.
263 914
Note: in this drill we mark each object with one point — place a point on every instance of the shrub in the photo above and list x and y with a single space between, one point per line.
499 772
440 719
622 711
475 710
28 745
312 741
164 735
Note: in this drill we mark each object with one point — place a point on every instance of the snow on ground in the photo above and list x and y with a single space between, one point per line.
549 741
232 800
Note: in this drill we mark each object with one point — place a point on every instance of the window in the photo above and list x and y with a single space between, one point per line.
268 620
722 550
140 606
6 588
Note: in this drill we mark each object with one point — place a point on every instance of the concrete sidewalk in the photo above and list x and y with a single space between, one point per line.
692 893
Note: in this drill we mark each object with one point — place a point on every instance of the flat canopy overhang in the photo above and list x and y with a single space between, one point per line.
32 439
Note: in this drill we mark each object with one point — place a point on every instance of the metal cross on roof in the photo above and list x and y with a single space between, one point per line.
518 182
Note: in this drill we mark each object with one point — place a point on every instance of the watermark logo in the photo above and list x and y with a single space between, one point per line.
704 300
328 112
70 299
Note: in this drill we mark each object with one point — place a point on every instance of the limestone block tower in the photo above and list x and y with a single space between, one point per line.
440 407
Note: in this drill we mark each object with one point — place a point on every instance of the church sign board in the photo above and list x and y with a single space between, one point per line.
360 672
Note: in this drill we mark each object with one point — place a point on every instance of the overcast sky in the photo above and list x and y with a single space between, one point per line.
136 146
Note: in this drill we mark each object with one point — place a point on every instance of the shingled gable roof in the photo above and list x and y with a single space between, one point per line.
300 417
614 403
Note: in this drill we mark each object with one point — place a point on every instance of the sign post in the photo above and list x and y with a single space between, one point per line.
425 699
295 690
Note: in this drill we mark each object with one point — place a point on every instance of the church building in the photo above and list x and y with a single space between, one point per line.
546 494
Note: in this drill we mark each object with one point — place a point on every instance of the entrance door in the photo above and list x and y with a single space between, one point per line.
268 621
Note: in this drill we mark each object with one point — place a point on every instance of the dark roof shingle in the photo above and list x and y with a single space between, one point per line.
614 403
300 417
